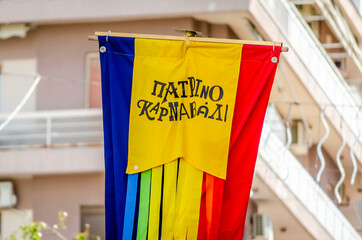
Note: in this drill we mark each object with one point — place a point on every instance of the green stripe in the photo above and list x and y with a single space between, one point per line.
155 203
144 205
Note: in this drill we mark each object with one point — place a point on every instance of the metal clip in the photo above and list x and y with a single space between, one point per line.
107 35
187 39
190 33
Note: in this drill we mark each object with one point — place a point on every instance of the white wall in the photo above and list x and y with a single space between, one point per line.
12 220
17 77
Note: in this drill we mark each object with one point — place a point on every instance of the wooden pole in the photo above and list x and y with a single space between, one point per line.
181 38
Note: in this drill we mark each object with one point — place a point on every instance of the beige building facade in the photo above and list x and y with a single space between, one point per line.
52 151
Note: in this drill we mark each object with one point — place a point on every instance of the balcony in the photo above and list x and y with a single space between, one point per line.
47 142
339 27
352 10
299 192
312 65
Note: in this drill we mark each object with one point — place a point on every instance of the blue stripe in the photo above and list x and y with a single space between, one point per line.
129 216
117 71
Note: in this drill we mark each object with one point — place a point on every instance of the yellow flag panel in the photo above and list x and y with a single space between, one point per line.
176 97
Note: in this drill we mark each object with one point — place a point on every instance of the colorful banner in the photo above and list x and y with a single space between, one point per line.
182 124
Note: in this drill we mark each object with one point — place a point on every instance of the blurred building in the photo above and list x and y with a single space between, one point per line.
51 154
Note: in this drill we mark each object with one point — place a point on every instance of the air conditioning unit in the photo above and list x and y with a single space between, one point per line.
299 144
262 227
7 198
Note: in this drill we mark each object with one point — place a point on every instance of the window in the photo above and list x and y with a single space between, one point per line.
93 81
95 217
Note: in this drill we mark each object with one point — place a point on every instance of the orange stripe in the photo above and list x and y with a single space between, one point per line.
214 194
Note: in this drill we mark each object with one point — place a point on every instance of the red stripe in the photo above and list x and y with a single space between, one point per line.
257 72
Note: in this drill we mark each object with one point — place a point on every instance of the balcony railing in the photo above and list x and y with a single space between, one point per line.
53 128
343 31
358 5
304 187
316 60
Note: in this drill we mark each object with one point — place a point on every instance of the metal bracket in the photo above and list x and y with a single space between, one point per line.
188 32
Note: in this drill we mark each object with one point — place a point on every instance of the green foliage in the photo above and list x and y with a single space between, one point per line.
33 231
80 236
29 232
